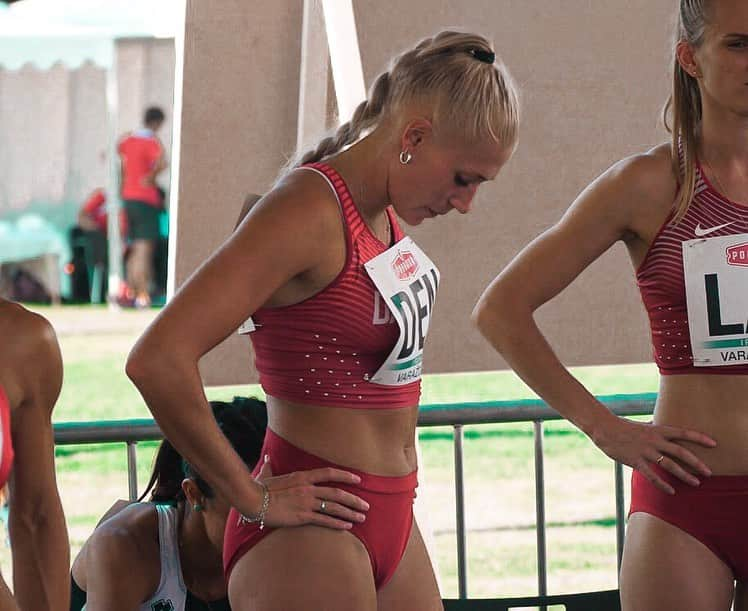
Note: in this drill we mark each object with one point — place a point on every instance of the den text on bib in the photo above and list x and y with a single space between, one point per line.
407 280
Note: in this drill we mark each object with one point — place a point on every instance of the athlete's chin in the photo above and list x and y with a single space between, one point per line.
417 216
412 219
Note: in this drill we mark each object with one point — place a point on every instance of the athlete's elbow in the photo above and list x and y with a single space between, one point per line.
155 370
143 363
486 317
496 315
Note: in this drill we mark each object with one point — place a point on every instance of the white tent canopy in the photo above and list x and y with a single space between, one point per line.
60 109
44 32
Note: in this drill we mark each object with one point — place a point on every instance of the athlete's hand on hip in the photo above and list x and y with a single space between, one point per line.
641 445
300 498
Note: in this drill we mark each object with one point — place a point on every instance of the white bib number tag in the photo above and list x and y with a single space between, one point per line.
248 326
407 280
716 277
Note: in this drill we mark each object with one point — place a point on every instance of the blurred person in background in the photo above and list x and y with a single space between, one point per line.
142 160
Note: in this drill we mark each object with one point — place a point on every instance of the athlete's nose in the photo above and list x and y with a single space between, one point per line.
463 202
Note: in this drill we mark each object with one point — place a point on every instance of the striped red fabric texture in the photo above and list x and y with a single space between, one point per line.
323 350
661 281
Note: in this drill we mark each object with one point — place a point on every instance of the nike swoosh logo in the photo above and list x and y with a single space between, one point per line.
702 232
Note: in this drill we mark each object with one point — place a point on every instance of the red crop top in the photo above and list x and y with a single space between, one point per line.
6 441
713 218
325 349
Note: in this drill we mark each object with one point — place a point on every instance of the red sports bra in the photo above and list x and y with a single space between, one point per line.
326 349
690 283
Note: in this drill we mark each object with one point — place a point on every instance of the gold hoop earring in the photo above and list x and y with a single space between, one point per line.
405 157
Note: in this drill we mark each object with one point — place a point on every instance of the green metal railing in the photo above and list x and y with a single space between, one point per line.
456 415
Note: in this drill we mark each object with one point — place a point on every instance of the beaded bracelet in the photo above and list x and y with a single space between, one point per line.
260 517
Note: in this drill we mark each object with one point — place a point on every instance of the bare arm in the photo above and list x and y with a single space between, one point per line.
281 238
122 561
158 167
115 509
249 201
85 221
603 214
38 533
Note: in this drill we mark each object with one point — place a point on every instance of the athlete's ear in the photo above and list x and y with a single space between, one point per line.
686 56
415 134
192 493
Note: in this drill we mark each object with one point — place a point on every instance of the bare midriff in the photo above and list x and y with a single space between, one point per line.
716 405
379 441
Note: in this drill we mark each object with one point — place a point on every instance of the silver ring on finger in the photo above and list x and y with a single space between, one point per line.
660 459
322 506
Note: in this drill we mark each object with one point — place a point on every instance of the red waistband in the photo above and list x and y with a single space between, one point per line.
723 483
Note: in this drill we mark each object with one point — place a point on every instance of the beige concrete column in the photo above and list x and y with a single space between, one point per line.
239 111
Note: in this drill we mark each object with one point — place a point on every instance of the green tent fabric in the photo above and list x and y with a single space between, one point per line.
31 237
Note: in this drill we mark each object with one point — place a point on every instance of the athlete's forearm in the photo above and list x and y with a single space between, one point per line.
516 336
41 557
172 389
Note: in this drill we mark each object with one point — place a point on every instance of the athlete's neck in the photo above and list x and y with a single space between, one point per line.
723 151
202 563
723 137
364 168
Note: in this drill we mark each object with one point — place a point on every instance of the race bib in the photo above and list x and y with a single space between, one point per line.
248 326
407 280
716 278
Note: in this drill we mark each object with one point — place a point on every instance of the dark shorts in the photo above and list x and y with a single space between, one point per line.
142 220
385 532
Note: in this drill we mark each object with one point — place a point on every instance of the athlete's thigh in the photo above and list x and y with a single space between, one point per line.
305 568
413 586
666 568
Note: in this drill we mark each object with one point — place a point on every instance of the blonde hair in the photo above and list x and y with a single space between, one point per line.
470 91
684 105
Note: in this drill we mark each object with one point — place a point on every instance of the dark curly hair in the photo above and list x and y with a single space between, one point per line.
243 421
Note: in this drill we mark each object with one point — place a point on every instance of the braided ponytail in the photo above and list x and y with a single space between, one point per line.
364 118
456 73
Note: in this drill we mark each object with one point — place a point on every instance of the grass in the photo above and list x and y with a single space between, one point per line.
500 501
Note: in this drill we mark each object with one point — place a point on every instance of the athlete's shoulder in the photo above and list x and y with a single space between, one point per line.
648 176
301 198
125 546
23 331
134 529
30 361
311 183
